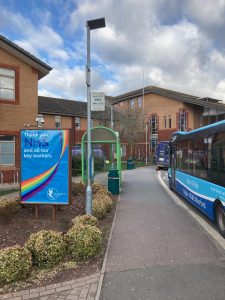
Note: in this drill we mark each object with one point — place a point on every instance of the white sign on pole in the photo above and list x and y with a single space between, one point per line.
97 101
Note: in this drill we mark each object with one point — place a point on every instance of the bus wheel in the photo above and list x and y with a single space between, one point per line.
220 219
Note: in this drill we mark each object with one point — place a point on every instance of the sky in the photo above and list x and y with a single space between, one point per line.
172 44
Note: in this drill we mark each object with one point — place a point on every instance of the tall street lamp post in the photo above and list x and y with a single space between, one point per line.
91 25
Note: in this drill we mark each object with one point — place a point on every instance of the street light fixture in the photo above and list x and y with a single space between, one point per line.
91 25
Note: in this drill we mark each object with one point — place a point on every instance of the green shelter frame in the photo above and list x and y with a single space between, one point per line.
102 135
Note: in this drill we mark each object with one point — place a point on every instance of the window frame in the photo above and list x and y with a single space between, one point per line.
75 121
14 150
165 121
183 120
169 121
139 102
16 69
132 103
60 117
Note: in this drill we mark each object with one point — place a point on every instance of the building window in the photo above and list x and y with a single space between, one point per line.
139 102
124 150
154 142
58 121
7 84
7 150
40 120
77 122
182 120
165 121
169 121
154 124
132 103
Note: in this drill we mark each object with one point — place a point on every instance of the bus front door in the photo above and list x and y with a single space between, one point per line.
173 168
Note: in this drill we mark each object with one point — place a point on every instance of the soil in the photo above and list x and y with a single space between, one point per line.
18 229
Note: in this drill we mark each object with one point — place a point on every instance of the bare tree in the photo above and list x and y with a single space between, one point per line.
131 124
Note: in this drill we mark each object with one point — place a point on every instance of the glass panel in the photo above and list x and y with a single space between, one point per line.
7 83
170 122
77 122
6 138
7 147
139 102
7 94
7 72
7 159
58 121
7 151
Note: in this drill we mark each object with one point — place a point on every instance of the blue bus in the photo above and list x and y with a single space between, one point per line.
197 169
162 155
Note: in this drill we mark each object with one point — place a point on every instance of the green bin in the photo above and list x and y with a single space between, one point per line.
130 164
114 181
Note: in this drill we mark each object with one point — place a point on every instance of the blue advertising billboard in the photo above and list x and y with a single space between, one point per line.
45 166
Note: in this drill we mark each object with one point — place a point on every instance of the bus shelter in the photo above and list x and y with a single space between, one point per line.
102 135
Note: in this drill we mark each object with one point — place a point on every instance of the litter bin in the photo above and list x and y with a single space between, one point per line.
130 164
114 181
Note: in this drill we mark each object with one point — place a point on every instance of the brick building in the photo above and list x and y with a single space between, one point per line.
63 113
167 111
19 75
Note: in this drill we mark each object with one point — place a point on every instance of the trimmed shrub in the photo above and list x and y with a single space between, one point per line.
107 201
98 208
15 264
97 187
8 207
85 220
83 241
47 248
78 188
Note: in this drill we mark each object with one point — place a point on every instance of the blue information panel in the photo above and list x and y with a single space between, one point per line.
45 166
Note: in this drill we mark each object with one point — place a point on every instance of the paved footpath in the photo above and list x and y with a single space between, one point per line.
158 251
78 289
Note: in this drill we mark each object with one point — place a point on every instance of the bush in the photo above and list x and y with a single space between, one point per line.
99 163
78 188
47 248
76 165
8 207
15 264
106 200
97 187
85 220
99 208
83 241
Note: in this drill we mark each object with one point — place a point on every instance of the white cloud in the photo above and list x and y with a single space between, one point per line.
179 44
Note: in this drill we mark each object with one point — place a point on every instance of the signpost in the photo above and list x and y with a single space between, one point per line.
97 101
45 168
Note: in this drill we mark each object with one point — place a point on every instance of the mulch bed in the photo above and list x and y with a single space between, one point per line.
18 229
